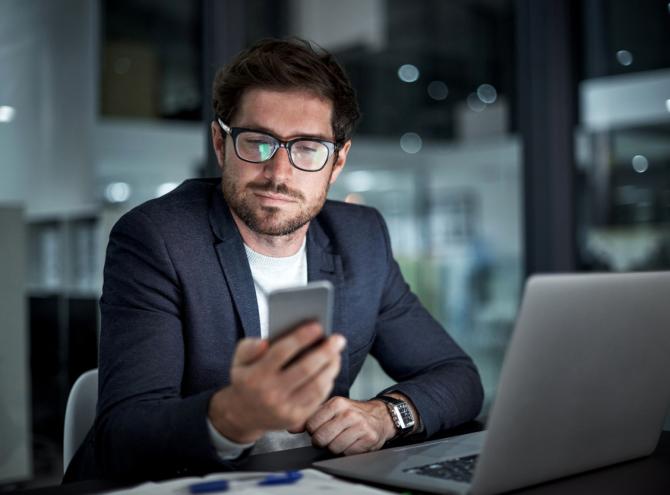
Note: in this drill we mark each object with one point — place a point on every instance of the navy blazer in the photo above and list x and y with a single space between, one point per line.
178 294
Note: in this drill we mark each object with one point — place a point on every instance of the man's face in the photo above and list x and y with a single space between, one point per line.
275 198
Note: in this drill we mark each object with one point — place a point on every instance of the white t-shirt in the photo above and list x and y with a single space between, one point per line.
275 273
269 274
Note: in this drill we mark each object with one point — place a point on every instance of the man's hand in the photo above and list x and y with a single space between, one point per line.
350 426
265 394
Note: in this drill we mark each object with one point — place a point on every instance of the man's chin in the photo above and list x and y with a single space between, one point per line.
276 230
271 225
271 220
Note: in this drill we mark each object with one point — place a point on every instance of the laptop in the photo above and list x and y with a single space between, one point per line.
584 384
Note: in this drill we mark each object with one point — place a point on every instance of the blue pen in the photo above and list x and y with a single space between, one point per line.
222 485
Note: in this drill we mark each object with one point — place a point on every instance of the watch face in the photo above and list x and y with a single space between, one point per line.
400 412
404 415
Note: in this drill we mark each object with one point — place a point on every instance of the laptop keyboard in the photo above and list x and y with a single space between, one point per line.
460 469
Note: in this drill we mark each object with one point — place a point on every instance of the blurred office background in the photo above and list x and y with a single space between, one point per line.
499 138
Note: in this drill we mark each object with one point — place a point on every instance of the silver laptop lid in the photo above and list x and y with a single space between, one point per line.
586 379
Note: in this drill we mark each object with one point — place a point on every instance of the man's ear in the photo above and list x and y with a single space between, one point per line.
218 143
340 162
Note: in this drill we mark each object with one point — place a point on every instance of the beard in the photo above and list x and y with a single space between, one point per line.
270 220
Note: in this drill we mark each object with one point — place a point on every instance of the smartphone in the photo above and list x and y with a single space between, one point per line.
288 308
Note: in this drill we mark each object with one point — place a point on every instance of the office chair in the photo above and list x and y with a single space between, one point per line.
79 413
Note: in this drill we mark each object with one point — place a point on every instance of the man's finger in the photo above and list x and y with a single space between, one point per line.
283 350
310 395
325 413
312 363
323 435
248 350
297 429
345 439
360 446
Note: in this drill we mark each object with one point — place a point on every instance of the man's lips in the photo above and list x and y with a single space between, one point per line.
275 192
274 196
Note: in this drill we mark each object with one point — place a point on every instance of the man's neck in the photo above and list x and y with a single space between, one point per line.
277 246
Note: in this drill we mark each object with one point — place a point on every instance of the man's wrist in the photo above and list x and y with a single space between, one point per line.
400 409
227 421
388 427
225 447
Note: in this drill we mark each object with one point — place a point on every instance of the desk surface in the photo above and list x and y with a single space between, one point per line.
648 475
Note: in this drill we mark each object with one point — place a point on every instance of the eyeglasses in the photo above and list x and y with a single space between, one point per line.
307 154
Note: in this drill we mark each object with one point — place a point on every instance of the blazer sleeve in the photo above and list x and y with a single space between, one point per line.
145 428
415 350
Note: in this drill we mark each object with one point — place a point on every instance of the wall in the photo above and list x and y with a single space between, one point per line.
15 449
48 55
357 22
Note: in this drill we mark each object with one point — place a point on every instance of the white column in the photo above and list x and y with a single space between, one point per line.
48 56
15 418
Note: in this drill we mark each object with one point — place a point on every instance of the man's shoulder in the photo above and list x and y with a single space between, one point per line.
185 208
339 211
351 225
191 193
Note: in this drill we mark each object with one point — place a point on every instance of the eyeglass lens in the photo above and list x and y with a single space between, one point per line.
259 147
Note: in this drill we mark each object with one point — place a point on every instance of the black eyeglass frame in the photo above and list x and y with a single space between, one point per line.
233 132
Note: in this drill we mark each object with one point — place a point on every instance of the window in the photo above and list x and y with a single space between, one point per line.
623 150
150 60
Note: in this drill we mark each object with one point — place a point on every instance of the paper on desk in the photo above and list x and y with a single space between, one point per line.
312 482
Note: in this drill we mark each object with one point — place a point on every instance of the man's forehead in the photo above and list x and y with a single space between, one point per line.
287 113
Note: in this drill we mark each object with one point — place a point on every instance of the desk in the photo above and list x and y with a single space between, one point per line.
648 475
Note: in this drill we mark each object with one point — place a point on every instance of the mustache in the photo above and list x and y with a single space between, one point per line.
272 187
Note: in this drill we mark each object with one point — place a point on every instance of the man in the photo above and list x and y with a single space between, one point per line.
188 382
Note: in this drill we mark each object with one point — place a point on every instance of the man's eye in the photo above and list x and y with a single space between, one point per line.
307 148
259 142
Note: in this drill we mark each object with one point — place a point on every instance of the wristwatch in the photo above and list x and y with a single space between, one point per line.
400 412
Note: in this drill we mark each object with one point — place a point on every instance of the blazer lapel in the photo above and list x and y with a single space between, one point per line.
323 264
233 259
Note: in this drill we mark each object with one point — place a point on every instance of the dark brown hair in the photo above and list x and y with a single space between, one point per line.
292 64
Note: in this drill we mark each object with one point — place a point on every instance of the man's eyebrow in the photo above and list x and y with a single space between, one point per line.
256 127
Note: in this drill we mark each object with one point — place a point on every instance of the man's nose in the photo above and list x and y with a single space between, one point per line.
279 166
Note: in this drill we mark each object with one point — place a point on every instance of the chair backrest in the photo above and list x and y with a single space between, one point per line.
79 413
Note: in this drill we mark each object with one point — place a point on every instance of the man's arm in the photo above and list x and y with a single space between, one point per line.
435 377
146 428
431 369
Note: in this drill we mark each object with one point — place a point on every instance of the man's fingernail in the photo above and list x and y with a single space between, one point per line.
341 342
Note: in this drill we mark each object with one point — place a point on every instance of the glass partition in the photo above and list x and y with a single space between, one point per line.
151 59
623 145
